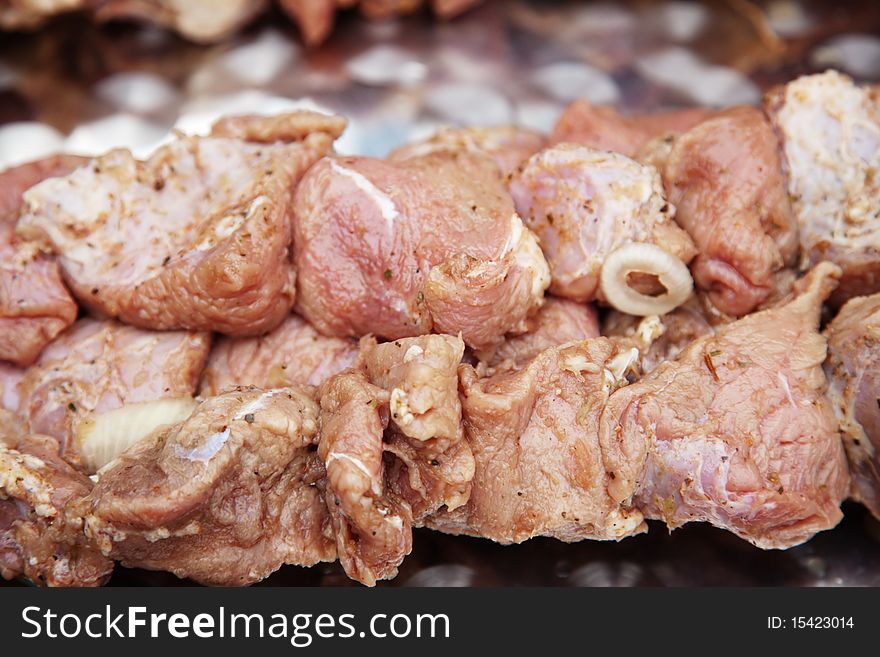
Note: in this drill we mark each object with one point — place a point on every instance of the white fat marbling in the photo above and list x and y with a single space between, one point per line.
381 199
205 452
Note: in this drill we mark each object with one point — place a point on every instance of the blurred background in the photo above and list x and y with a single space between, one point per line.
74 84
82 82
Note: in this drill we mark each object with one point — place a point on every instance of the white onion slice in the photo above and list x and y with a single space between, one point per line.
642 258
102 437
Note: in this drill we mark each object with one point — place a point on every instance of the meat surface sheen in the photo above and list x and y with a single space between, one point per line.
738 430
195 237
830 134
726 181
97 366
226 497
853 369
293 353
399 249
583 203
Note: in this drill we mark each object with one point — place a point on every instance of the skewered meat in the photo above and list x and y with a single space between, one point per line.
557 322
509 146
36 539
195 237
35 306
373 529
544 430
434 465
542 468
853 368
225 497
584 204
738 430
97 366
393 447
725 178
293 353
830 133
398 249
603 128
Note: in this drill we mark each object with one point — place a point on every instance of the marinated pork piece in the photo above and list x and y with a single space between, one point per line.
434 465
542 468
584 204
557 322
37 540
421 377
98 366
373 529
725 178
196 237
202 21
605 129
509 146
393 447
738 430
830 134
226 497
293 353
35 306
853 369
398 249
